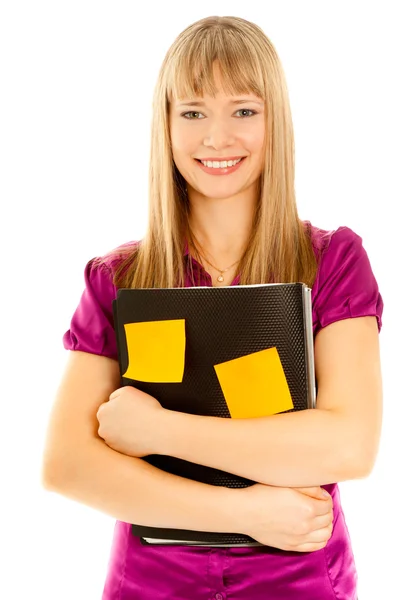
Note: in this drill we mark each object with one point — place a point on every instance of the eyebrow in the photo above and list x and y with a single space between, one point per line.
201 103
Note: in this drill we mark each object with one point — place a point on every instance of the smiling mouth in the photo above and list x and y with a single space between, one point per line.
227 170
231 159
236 163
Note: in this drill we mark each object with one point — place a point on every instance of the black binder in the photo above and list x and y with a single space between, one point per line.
221 324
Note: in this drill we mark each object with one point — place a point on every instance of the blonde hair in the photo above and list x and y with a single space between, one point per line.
279 248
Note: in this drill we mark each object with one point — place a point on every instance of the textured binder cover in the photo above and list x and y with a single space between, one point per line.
220 324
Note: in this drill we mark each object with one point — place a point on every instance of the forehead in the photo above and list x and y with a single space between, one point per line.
212 85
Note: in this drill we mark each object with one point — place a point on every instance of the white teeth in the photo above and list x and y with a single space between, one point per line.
215 164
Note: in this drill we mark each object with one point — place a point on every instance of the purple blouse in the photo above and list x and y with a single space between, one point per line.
345 287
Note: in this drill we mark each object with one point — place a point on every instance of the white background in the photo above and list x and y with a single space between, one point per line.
76 89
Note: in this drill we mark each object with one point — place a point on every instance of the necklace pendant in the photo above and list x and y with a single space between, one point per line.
220 278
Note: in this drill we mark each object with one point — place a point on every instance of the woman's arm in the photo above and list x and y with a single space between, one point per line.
131 490
78 464
337 441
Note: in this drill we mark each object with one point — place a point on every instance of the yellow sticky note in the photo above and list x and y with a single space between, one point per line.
254 385
156 351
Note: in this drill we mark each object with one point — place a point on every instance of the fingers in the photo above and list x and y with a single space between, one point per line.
322 507
316 539
314 492
308 547
320 536
322 522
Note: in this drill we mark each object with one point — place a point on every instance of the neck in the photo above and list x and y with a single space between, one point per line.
222 226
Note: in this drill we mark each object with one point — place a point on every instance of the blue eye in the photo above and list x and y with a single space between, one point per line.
193 112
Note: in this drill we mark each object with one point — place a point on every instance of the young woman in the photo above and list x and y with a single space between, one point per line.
223 212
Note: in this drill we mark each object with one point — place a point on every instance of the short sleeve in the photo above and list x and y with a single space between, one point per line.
345 285
92 324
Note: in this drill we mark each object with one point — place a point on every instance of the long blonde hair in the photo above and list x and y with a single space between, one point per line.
279 248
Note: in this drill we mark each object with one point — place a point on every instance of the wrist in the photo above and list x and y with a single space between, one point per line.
250 504
164 432
174 432
232 504
235 509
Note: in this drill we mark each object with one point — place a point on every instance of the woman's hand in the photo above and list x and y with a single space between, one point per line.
131 422
291 519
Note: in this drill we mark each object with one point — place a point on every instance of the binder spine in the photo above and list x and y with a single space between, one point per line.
308 331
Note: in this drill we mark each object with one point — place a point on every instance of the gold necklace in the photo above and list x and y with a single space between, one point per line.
221 271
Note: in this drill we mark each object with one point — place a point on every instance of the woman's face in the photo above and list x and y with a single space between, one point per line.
219 128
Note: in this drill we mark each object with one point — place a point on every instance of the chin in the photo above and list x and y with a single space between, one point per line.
217 190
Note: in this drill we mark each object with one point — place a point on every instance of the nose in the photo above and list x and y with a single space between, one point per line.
219 135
